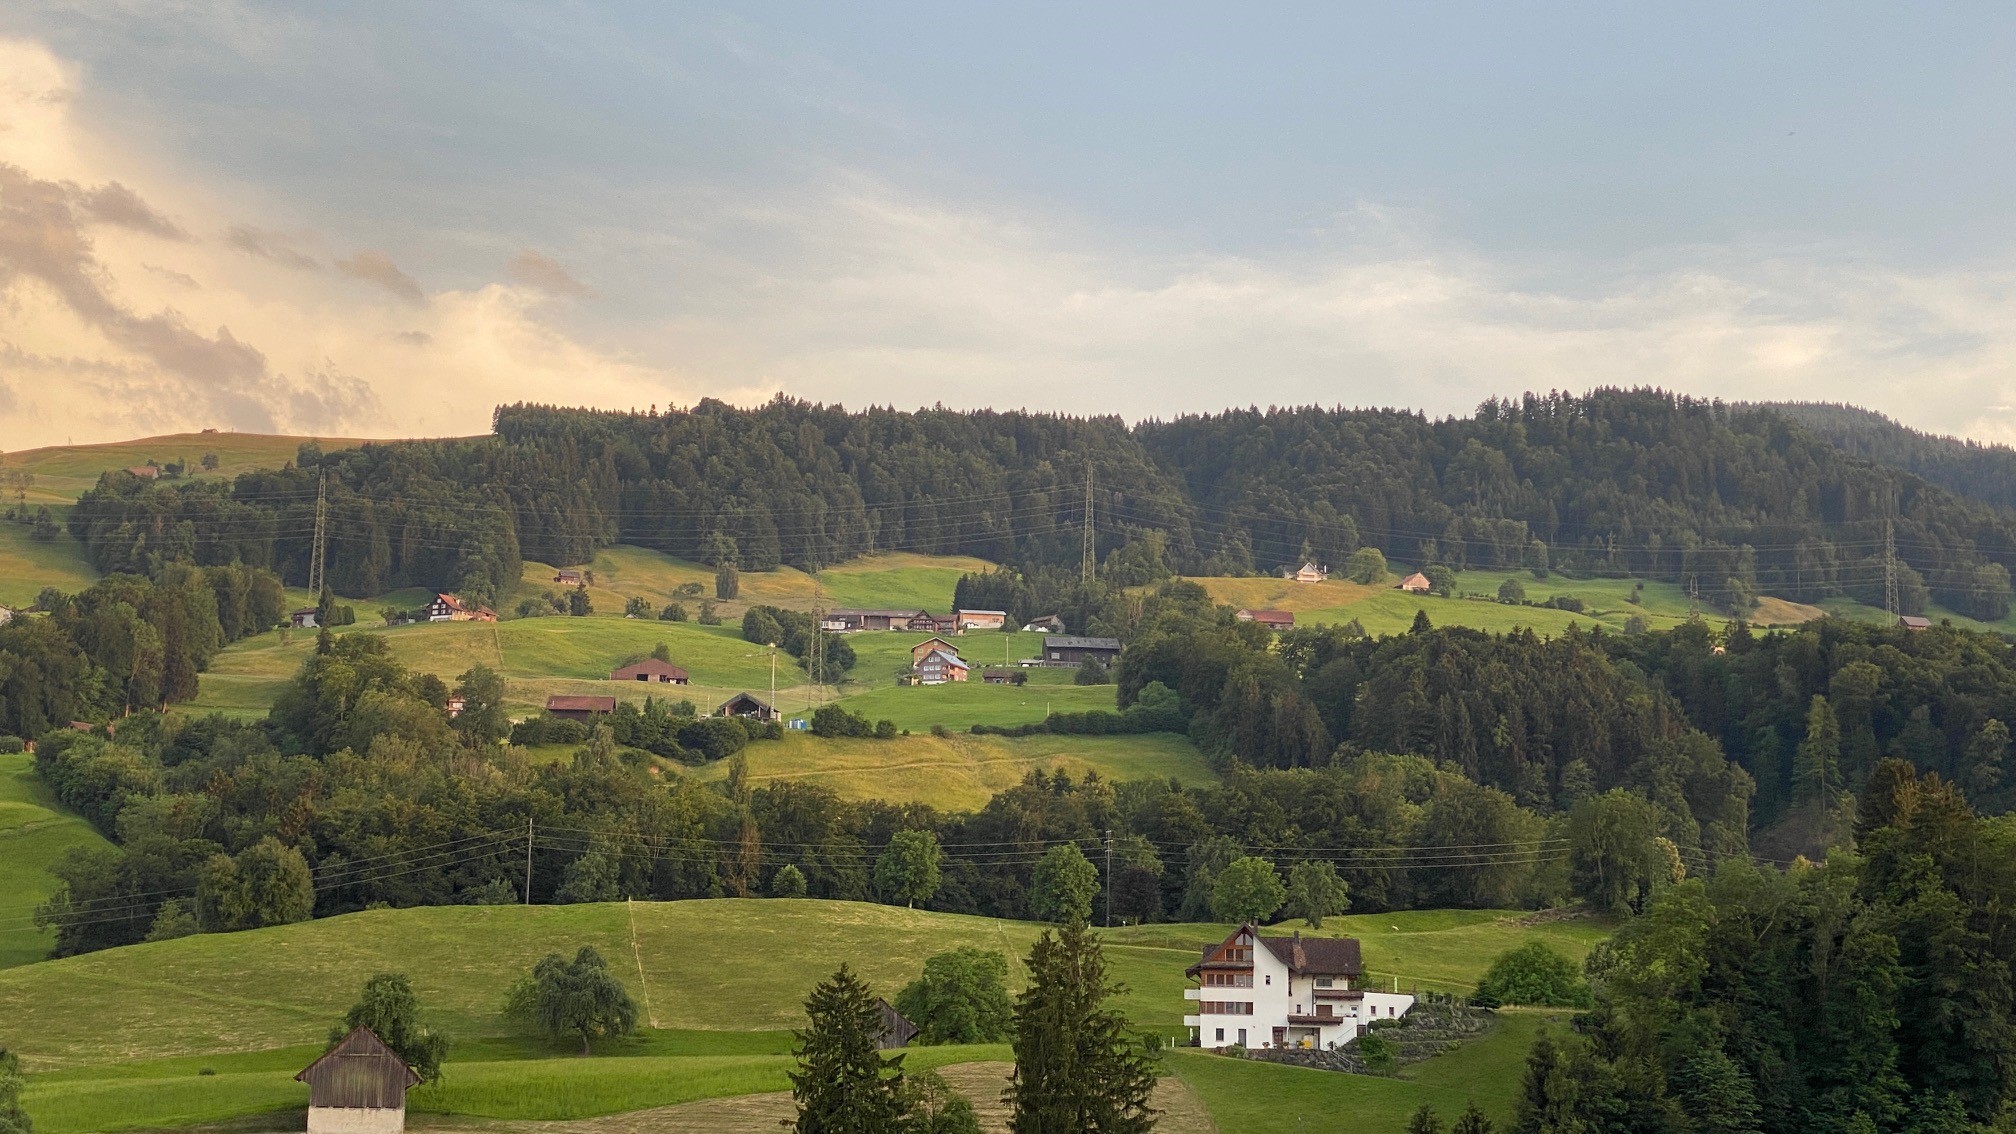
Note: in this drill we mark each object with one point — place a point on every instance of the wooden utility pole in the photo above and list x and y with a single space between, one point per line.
528 860
1109 878
1889 565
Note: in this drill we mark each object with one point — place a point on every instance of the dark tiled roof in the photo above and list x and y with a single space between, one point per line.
1075 642
561 704
648 665
1326 956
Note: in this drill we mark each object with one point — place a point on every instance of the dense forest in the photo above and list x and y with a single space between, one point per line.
1983 472
1869 995
1712 725
1732 501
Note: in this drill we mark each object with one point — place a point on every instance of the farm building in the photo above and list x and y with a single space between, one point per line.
1308 573
1914 622
849 620
939 667
579 708
303 619
1415 584
1048 624
747 705
1071 650
923 649
358 1087
1284 992
450 608
144 472
897 1030
1004 677
964 620
568 578
1272 619
652 670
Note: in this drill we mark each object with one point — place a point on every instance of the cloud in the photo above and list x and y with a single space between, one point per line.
378 268
534 270
104 332
270 245
113 203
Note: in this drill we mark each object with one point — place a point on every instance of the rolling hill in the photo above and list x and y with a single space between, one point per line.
211 1027
35 831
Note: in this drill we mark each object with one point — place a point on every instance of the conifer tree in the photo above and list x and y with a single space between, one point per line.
1473 1121
1077 1068
1425 1121
842 1084
1817 767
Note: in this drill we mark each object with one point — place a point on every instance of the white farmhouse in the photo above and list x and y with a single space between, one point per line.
1285 992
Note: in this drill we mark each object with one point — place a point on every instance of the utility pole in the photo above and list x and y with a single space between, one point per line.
528 860
773 675
1889 565
818 633
1109 877
316 581
1090 560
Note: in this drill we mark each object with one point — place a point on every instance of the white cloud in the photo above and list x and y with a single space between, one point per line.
115 321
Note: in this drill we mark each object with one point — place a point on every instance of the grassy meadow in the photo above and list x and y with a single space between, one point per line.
1384 609
63 472
35 831
216 994
961 770
27 566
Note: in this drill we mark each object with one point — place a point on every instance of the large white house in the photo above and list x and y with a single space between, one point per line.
1285 992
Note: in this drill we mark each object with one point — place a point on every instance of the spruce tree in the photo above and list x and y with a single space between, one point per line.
1472 1121
1077 1068
1425 1121
842 1084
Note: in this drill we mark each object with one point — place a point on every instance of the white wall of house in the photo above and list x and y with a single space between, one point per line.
356 1120
1276 995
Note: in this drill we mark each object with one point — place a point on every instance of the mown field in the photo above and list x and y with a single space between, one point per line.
63 472
962 771
1384 609
123 1038
35 831
27 566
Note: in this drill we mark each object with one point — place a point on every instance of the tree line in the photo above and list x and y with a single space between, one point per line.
127 642
1732 501
360 788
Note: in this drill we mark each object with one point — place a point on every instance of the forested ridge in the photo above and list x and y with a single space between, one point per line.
1983 472
1734 501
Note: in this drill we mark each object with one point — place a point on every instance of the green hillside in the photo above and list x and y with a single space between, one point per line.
212 1027
27 566
63 472
221 993
34 832
962 771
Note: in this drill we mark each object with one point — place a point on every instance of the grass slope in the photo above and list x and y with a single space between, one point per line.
1265 1098
962 771
63 472
916 582
34 832
27 566
281 987
1385 609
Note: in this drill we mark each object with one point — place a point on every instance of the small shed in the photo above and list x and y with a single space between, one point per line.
1416 584
1048 624
1271 619
358 1087
652 670
897 1030
1914 622
747 705
582 709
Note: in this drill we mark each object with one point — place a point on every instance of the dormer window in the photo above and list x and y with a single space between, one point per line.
1322 982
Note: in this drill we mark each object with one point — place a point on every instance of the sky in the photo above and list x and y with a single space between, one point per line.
384 219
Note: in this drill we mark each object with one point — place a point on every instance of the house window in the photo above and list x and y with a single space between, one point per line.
1270 978
1221 1035
1322 982
1242 1037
